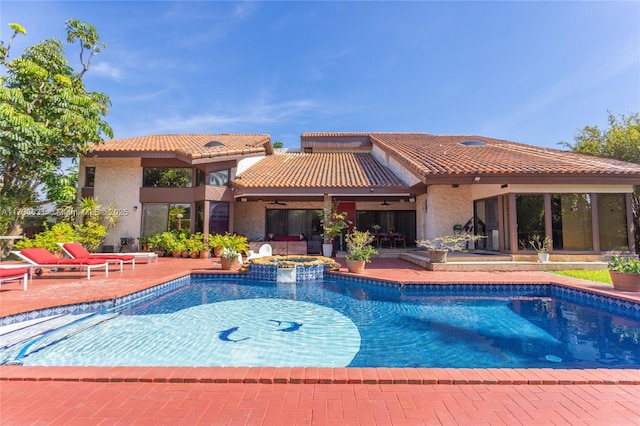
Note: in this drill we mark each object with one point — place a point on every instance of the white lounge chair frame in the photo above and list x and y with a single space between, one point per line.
23 276
87 267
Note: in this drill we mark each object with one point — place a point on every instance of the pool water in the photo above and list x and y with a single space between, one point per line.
334 323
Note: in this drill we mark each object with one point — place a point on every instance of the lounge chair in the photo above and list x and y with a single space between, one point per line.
43 258
263 251
77 251
20 273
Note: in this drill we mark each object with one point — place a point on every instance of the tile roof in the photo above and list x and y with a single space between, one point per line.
431 156
191 146
318 170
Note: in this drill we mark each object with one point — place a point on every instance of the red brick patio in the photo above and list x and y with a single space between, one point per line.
310 396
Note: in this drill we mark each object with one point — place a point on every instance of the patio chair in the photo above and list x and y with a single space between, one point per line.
43 258
20 273
263 251
77 251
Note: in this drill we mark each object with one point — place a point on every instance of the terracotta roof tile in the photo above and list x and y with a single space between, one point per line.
317 170
191 146
430 155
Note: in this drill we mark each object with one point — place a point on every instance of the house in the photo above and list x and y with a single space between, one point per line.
414 185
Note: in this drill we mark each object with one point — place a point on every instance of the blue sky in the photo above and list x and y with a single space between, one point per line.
531 72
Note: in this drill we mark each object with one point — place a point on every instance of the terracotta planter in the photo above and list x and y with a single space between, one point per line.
176 253
228 263
217 251
625 281
355 266
438 256
194 254
204 254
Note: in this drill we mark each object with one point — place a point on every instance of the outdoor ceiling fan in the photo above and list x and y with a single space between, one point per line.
384 203
277 203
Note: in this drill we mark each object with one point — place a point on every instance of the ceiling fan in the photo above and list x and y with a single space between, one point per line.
277 203
384 203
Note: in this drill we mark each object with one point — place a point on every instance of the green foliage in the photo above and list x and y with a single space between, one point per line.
46 114
278 144
621 140
624 264
359 245
50 237
195 243
333 223
601 276
233 245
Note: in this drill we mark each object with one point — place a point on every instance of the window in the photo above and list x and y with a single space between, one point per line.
529 218
165 177
571 222
157 217
284 222
219 178
218 217
398 221
89 177
612 222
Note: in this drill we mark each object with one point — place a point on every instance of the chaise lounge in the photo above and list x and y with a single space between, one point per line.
43 258
8 274
77 251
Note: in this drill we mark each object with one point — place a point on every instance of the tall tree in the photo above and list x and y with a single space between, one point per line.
46 114
621 141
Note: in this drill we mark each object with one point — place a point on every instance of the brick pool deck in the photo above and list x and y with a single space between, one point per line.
307 396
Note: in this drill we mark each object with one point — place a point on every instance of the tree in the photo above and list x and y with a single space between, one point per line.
621 141
46 114
278 144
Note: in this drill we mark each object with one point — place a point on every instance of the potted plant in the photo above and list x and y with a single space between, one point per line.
439 247
625 273
195 244
216 241
360 250
542 246
233 246
332 225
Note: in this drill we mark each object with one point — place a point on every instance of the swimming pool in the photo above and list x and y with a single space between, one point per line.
337 323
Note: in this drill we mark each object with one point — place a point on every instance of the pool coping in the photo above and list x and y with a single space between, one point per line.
336 376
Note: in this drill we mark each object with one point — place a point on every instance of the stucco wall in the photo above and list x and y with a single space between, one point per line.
445 206
118 181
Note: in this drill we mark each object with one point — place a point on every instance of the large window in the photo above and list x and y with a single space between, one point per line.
164 177
612 222
571 222
285 222
219 178
218 217
158 217
396 221
529 218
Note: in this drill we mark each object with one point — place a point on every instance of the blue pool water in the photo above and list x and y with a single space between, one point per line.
335 323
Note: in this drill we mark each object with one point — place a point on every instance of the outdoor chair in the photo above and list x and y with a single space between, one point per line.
399 238
77 251
10 273
263 251
43 258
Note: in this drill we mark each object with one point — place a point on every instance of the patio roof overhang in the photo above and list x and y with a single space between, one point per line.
317 194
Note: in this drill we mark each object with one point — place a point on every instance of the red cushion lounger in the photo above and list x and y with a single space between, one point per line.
77 251
7 274
43 258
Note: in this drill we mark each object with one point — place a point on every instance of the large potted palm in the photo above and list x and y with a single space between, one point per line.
359 250
332 225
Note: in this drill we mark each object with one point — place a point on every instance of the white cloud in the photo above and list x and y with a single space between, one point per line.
106 70
260 113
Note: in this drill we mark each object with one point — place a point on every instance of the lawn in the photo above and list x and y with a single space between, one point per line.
598 276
